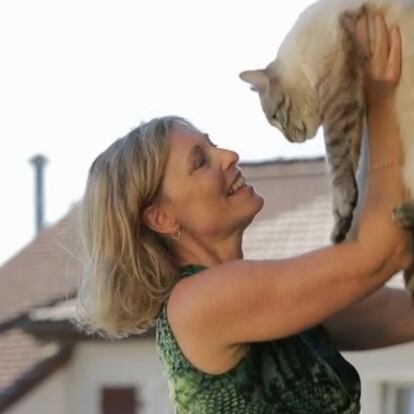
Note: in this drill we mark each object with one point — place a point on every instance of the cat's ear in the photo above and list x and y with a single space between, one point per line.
258 79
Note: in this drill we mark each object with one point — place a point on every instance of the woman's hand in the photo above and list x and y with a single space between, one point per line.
382 48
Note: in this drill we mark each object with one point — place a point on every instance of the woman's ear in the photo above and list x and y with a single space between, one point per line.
159 219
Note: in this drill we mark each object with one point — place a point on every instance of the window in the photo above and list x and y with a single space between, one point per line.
399 398
120 400
405 400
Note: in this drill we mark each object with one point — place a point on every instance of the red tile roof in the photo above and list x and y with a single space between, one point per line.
17 351
45 270
24 362
42 273
297 213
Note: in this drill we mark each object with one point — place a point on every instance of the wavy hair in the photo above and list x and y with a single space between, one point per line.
129 270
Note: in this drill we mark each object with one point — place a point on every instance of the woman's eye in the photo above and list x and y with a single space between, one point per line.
201 160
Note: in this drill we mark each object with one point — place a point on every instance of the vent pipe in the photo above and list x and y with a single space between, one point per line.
39 161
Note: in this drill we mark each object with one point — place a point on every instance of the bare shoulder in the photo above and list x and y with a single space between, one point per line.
190 319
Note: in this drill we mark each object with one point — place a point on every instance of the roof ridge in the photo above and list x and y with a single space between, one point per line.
282 160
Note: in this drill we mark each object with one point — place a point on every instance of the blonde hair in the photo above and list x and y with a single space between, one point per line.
129 270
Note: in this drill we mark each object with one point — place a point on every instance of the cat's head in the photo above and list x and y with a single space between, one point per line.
292 110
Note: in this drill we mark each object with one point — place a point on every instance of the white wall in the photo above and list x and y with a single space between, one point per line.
126 363
378 370
49 397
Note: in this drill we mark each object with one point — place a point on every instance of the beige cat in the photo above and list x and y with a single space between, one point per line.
316 79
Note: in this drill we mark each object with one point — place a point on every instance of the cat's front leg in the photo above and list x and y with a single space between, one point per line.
342 111
344 200
340 132
343 123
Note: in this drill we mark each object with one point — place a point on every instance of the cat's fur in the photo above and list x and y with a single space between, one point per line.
316 79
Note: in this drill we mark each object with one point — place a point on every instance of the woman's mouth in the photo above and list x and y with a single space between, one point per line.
238 183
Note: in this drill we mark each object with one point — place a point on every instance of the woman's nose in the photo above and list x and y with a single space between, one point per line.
229 158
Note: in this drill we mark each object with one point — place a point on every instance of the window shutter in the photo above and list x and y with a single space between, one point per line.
119 401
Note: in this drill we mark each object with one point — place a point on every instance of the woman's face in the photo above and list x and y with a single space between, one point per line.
202 186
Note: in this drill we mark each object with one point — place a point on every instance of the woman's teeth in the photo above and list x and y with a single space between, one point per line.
236 185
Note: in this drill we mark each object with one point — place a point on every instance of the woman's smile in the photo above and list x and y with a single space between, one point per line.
237 184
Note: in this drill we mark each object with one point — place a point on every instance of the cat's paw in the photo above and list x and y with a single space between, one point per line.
409 281
404 215
345 197
341 228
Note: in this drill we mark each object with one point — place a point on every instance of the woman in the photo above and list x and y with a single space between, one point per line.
165 211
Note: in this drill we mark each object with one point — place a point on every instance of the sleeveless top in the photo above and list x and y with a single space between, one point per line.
301 374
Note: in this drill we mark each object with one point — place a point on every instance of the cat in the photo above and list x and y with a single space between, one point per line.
317 80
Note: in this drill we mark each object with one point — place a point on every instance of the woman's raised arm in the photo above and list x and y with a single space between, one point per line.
244 301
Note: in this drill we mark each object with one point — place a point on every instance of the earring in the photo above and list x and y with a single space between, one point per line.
176 235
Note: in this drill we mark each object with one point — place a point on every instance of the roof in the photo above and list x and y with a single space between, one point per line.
297 213
24 362
44 271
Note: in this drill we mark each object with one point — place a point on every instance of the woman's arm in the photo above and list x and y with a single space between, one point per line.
385 149
387 316
382 319
244 301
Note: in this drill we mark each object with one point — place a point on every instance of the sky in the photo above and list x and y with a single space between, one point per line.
77 74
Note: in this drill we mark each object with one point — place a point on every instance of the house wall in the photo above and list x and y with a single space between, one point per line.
97 365
382 372
127 363
49 397
76 388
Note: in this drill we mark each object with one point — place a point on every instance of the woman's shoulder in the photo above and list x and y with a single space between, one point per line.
194 339
186 298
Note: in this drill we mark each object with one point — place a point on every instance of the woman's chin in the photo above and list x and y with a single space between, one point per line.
260 203
256 208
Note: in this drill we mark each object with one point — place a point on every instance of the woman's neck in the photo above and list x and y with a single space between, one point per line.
195 250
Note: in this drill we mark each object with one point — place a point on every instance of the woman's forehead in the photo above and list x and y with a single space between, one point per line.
182 141
182 134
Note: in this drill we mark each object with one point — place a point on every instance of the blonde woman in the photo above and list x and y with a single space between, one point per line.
164 215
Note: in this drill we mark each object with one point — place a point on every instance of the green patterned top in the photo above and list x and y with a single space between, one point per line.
301 374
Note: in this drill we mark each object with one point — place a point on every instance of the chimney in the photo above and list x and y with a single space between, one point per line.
39 161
